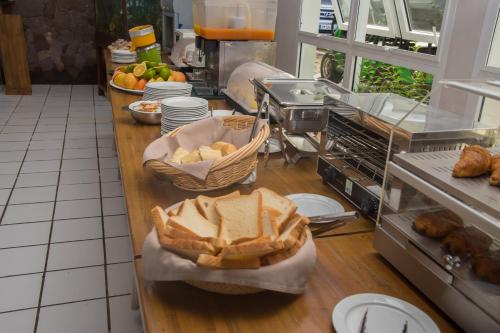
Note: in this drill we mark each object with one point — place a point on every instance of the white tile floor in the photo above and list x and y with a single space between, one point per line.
65 255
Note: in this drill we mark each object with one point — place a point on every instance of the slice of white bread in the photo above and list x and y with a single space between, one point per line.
173 212
189 219
211 261
281 204
176 233
278 256
252 249
292 231
241 217
206 206
188 248
269 227
208 153
160 218
164 226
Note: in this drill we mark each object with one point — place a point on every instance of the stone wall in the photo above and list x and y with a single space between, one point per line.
60 39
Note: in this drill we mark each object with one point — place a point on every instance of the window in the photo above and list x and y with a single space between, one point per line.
490 112
494 54
317 62
318 16
381 18
421 20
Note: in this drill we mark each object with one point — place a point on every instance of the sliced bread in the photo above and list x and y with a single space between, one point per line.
241 217
187 248
282 255
269 227
206 205
292 231
252 249
281 204
190 220
211 261
177 233
160 218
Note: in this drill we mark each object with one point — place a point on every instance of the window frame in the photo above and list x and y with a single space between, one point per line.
390 31
417 35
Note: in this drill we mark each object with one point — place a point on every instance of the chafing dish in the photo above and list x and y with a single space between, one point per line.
418 183
365 130
297 104
297 107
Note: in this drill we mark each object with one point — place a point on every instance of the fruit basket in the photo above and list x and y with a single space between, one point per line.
224 171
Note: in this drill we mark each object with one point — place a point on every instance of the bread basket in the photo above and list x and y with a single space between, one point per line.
224 171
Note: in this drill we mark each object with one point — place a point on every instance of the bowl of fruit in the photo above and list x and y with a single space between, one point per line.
132 78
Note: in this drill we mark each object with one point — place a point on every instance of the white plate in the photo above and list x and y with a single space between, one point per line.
132 91
314 204
274 146
223 113
185 103
385 314
168 86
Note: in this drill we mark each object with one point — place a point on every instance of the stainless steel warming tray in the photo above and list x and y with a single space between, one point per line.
297 104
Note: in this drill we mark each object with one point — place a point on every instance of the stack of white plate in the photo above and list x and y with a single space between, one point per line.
180 111
157 91
123 56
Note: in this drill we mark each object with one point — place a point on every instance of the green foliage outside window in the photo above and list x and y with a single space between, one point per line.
376 76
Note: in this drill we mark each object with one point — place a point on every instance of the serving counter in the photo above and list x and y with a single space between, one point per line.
346 260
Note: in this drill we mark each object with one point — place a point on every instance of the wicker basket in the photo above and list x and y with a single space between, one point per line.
224 288
224 171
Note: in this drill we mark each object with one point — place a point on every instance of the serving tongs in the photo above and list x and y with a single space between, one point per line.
323 223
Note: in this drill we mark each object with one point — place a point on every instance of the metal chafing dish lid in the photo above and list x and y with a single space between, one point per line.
299 92
392 108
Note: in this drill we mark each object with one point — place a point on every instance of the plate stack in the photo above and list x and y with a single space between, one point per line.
180 111
157 91
123 56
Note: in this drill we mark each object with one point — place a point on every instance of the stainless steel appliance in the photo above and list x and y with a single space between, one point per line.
222 57
297 105
175 14
365 130
420 183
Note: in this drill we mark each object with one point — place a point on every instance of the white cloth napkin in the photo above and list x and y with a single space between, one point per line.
287 276
191 137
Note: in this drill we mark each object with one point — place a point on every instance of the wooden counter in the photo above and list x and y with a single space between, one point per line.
347 263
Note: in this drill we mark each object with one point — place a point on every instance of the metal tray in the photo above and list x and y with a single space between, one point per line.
299 92
436 168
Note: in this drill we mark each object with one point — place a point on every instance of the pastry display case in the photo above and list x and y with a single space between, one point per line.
443 234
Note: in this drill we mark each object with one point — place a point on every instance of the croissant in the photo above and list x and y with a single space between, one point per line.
495 170
474 161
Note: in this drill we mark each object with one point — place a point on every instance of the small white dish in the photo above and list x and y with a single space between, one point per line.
135 106
309 204
385 314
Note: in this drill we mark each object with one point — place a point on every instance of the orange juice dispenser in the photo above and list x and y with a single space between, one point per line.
230 33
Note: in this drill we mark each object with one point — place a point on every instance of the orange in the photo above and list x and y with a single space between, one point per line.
129 81
178 76
140 84
119 79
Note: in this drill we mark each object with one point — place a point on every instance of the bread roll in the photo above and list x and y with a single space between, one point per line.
228 149
219 145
